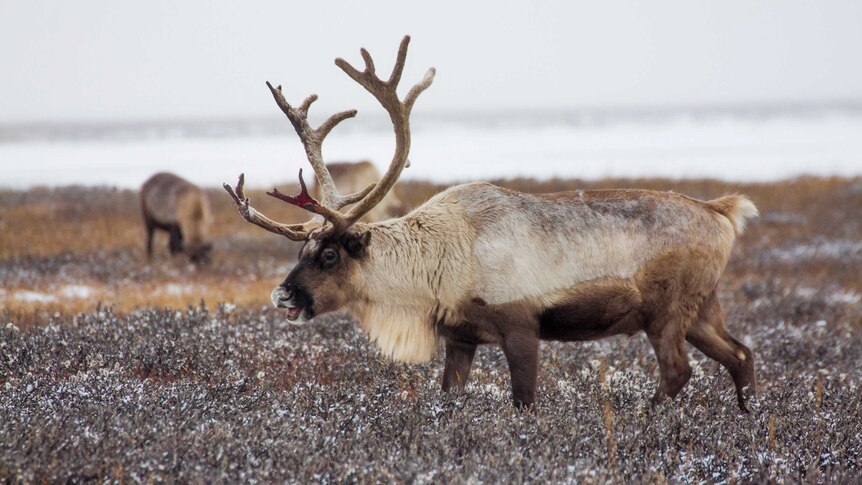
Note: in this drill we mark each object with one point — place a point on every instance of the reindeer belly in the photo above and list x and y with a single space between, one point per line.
593 310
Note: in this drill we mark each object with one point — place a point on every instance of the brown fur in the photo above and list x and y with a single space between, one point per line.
175 205
672 300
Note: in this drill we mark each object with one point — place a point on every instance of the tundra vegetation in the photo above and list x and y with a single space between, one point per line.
161 382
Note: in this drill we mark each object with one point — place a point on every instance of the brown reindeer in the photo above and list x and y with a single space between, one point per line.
175 205
353 177
479 264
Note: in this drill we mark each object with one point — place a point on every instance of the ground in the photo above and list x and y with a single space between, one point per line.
161 381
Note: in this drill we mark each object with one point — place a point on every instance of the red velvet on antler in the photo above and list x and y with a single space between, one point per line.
303 200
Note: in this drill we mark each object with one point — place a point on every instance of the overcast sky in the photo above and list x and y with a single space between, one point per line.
103 60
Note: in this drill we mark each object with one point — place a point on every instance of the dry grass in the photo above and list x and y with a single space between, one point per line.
217 393
238 395
94 237
46 222
132 297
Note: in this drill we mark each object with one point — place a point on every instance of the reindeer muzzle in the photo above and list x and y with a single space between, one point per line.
287 299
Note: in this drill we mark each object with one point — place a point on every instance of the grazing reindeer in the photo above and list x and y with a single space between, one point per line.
180 208
353 177
479 264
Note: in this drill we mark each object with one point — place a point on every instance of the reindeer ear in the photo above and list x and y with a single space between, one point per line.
356 243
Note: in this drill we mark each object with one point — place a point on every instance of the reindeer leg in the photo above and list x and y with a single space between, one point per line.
459 358
521 348
709 335
176 243
151 229
667 337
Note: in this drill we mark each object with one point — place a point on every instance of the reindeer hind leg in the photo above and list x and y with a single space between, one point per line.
709 335
667 337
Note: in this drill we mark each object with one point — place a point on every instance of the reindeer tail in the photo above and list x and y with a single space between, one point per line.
737 208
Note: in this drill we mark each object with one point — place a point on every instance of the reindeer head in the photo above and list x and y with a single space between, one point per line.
200 254
325 276
323 279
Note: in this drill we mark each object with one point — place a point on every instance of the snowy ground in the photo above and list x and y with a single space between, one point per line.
241 395
156 391
725 145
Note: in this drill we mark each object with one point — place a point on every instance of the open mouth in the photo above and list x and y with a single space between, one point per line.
294 312
294 303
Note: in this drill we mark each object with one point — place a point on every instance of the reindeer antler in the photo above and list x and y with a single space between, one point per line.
297 232
312 139
399 113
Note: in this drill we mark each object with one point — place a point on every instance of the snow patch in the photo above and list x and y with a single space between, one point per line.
838 249
451 149
65 292
844 296
76 291
32 296
176 289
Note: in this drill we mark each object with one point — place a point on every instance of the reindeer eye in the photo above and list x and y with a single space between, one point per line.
328 256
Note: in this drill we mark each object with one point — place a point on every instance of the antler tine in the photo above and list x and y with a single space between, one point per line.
416 90
252 215
355 197
400 60
307 202
333 120
305 104
297 117
399 113
369 62
312 139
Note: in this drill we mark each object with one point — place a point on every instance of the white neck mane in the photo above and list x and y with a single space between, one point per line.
396 310
414 273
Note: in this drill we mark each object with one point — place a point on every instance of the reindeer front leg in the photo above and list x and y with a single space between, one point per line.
521 347
459 358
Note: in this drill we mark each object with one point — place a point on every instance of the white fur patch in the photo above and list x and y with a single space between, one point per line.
401 333
520 265
415 264
741 213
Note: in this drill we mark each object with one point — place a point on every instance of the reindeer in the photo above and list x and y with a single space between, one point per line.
175 205
479 264
352 177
